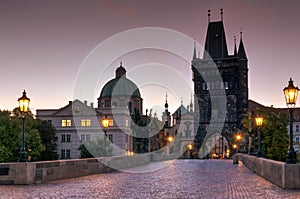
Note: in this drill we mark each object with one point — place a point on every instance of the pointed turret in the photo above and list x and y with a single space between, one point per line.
215 43
235 50
195 51
242 52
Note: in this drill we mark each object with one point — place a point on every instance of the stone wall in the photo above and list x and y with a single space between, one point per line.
284 175
37 172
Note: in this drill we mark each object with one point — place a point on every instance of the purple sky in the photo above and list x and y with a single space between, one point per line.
43 43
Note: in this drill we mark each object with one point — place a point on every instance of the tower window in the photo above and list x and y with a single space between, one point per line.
226 85
203 86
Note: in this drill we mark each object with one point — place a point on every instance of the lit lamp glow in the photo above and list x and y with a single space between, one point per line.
105 122
259 121
24 107
291 94
190 146
24 103
170 139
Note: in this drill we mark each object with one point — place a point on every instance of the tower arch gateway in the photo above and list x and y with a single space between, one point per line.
233 69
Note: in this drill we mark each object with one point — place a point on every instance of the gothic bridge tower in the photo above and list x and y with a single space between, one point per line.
234 80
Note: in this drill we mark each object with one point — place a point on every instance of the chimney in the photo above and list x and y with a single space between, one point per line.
85 102
70 102
92 105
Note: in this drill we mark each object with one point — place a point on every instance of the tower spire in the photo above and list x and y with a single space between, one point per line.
235 50
195 50
242 52
166 104
221 10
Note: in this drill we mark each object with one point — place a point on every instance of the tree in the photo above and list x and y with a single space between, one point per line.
84 152
274 134
48 138
10 136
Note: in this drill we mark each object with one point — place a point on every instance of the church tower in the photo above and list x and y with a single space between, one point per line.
234 80
166 117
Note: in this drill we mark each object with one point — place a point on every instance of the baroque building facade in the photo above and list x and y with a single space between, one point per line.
220 86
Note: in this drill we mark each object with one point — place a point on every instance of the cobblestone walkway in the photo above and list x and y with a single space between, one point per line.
180 179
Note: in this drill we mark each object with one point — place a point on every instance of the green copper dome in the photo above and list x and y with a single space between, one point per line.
120 86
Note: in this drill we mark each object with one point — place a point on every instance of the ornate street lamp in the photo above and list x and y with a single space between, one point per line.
24 107
105 123
291 94
259 122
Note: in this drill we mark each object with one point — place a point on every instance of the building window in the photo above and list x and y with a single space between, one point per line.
126 123
68 138
115 104
203 86
111 138
49 121
297 128
65 123
221 85
68 154
82 138
226 85
63 138
107 103
297 139
111 122
207 86
87 137
63 154
85 122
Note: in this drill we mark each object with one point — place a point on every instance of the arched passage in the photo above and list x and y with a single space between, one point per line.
215 146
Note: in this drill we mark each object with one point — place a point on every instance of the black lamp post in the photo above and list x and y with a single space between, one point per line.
24 106
259 122
291 93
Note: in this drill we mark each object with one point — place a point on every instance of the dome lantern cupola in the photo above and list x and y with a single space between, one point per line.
121 71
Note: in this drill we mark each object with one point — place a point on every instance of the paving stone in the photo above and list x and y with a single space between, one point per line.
177 179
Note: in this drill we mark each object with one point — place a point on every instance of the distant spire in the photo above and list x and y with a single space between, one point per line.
195 50
221 10
181 101
235 50
242 52
208 16
166 104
